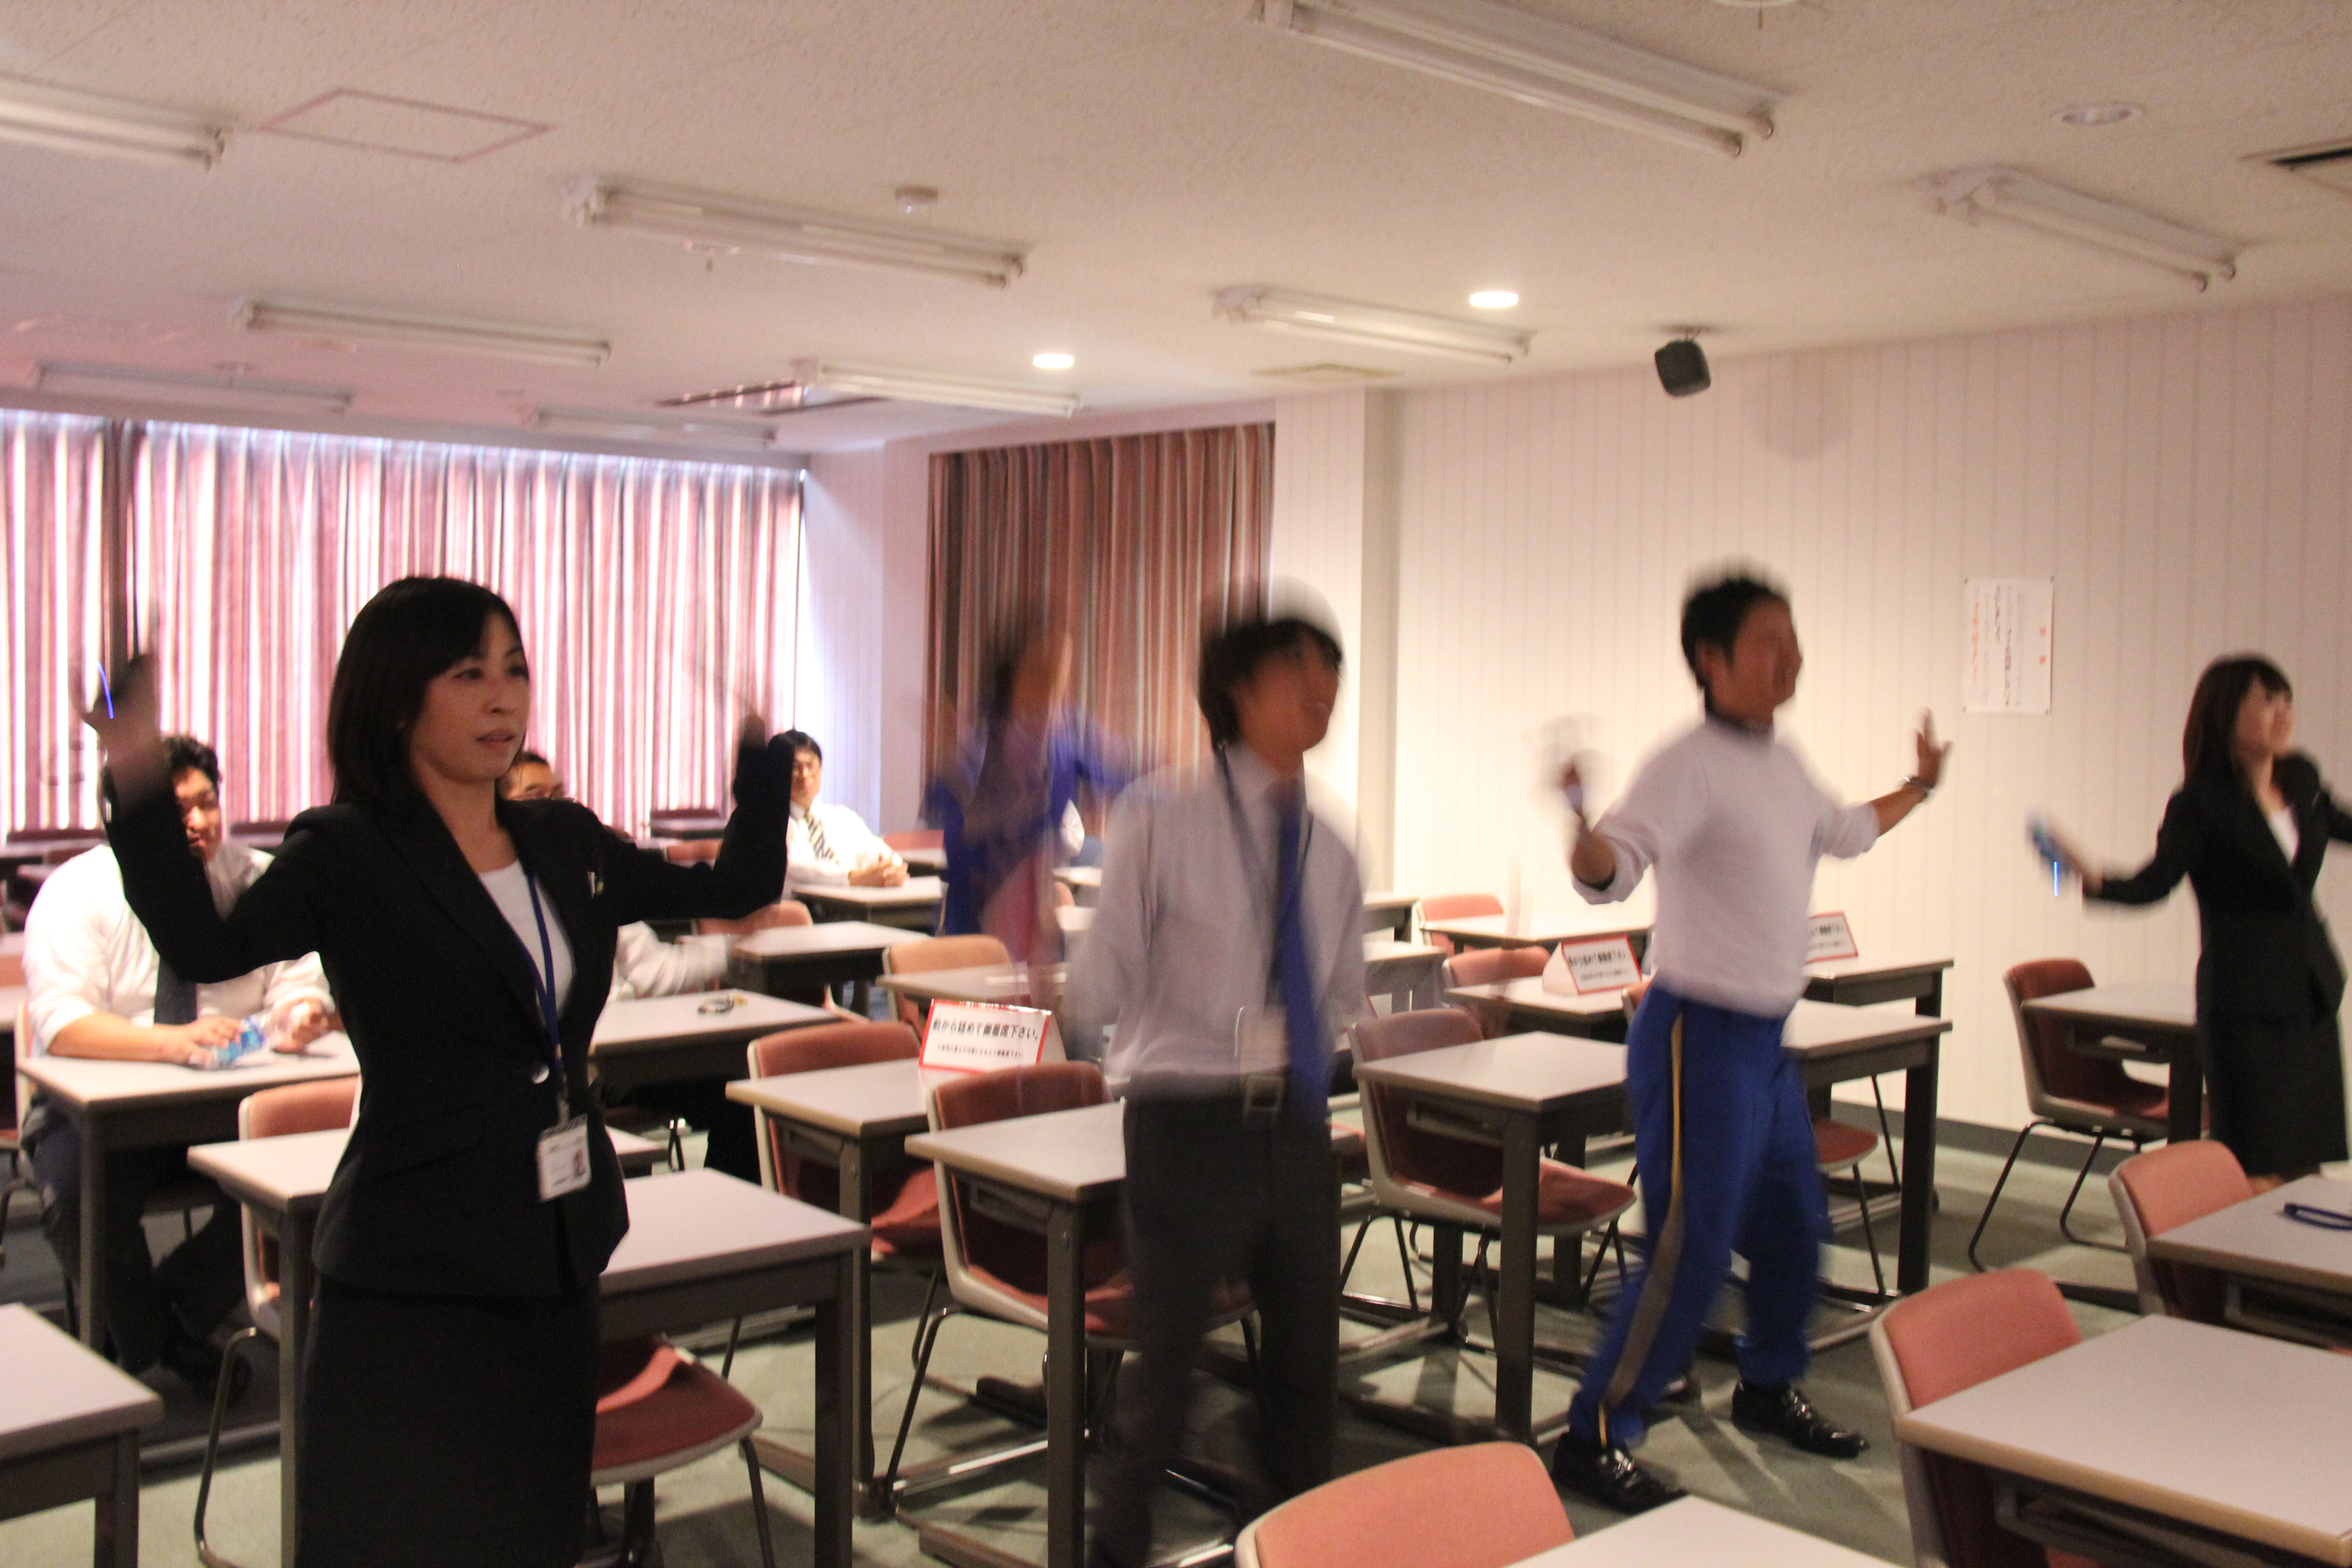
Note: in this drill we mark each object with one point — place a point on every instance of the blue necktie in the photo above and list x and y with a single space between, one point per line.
1310 1076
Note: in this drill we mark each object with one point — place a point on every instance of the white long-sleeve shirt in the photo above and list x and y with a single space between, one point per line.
645 965
1734 824
85 952
1183 932
850 841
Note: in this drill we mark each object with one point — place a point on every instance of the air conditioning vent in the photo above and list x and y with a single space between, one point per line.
1325 373
2330 164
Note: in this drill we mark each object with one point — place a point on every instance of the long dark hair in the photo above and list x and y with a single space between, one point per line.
2209 743
412 631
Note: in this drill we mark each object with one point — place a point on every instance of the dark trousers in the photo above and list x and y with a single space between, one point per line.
702 1104
1211 1198
1725 1143
146 1304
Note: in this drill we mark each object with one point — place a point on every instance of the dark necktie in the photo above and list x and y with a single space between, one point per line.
176 999
1310 1074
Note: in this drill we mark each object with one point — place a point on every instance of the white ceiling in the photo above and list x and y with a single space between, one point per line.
1149 151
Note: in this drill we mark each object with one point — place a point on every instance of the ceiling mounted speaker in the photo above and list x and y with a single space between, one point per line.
1682 368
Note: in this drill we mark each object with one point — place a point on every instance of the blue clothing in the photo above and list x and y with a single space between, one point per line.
992 821
1724 1143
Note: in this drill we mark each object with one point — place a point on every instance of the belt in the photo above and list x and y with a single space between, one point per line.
1259 1096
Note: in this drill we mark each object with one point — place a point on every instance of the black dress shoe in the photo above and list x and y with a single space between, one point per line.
1784 1412
1608 1475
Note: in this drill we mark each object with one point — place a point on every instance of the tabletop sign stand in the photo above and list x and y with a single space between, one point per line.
986 1037
1829 936
1589 968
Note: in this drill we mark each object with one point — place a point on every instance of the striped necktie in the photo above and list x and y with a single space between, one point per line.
816 835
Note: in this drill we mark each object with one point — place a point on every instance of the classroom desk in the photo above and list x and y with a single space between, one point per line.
702 1247
1390 913
795 958
1085 882
1059 1173
855 1120
929 862
1534 930
138 1105
2229 1434
1525 1006
1390 968
664 1039
2160 1018
2254 1243
913 905
12 1002
1867 980
1694 1530
69 1430
1408 973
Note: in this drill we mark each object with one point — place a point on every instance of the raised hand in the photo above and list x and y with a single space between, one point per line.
1931 771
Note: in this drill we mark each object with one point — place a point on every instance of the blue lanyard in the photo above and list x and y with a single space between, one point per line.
544 982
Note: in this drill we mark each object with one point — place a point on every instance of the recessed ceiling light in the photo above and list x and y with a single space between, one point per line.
2090 116
1054 361
1493 299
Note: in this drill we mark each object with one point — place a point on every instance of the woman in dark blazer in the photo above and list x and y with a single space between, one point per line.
2250 827
449 1417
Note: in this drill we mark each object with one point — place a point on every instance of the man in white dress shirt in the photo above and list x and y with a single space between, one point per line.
830 846
1228 948
96 987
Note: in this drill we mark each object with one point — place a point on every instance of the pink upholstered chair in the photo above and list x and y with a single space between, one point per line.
916 838
1484 1505
789 912
1455 907
657 1412
1491 966
1944 1340
1839 1149
930 952
2164 1188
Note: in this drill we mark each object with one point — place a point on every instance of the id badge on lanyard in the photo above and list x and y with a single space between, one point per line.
563 1165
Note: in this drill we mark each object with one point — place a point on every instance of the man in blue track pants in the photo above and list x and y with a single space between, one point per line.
1733 823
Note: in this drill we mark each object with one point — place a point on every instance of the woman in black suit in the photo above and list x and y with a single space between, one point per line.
2248 828
449 1417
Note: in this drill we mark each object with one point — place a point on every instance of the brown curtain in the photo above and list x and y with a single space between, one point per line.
1132 538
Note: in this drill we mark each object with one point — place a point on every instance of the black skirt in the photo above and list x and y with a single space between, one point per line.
454 1431
2278 1090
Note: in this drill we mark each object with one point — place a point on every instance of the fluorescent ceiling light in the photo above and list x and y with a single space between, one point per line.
1533 58
1494 300
1377 325
67 120
653 424
709 222
922 386
212 389
408 328
1989 194
1053 360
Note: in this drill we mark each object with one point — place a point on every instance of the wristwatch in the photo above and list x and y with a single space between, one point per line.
1915 782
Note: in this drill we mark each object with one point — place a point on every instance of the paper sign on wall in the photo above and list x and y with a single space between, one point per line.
2005 664
1588 968
1830 936
985 1037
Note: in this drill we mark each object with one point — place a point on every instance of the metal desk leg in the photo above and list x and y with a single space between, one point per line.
295 1283
90 1303
1918 1170
838 1339
2186 1122
857 1204
1066 1389
1515 1325
861 997
117 1533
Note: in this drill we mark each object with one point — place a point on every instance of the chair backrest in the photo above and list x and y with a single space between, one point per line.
2164 1188
1483 1505
926 954
279 1113
11 969
970 1239
1399 1151
790 912
813 1051
2052 1069
917 838
1455 907
685 851
1946 1339
1491 965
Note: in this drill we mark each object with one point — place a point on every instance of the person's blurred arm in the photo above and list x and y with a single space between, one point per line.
645 965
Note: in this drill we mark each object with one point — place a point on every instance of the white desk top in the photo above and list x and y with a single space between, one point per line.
12 941
1078 876
824 939
60 1394
1529 1073
876 1099
650 1022
2146 1003
1874 966
690 1224
1383 950
12 999
290 1174
1528 991
124 1086
1068 1155
1695 1530
2228 1430
2257 1240
1387 902
1817 1029
1004 983
1544 927
932 860
914 890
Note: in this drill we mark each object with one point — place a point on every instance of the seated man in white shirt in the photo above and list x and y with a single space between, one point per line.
96 987
830 846
645 965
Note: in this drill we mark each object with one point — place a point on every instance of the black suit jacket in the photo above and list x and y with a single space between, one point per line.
2267 954
437 1192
